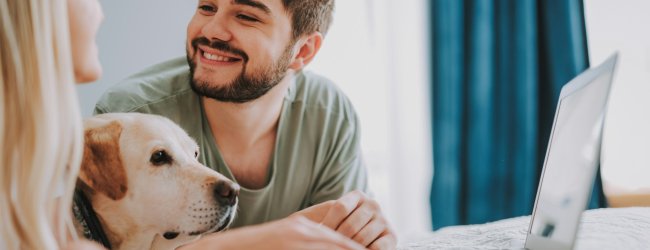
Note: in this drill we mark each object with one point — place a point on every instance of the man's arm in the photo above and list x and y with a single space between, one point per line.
342 204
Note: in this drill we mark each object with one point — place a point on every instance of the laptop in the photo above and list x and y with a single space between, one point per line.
572 159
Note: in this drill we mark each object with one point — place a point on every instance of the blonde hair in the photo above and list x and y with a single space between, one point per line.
41 131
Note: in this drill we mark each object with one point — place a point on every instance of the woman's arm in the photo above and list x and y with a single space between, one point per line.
295 232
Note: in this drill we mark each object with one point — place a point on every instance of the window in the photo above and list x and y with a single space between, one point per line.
377 52
620 26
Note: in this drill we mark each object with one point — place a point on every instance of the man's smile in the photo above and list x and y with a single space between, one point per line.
216 57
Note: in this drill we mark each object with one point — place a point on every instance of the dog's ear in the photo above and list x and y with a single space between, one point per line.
101 168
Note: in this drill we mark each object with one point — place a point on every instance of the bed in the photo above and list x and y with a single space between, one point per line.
607 228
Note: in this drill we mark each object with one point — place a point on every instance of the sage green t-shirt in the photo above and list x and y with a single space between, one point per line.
317 156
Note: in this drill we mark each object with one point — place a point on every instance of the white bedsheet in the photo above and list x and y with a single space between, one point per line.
608 228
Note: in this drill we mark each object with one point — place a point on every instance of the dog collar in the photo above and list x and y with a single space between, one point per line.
85 215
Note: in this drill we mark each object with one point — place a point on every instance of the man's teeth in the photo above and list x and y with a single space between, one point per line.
216 57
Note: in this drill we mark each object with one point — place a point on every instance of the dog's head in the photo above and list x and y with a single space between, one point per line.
141 173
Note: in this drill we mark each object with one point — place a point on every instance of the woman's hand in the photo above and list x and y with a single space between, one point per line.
83 244
295 232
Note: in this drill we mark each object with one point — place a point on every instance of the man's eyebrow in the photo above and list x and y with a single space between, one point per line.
254 4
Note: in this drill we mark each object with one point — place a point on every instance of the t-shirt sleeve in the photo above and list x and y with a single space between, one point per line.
344 169
99 110
109 102
121 98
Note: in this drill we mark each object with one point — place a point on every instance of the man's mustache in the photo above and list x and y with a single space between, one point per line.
218 45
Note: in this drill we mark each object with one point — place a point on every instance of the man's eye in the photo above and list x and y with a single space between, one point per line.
207 8
247 18
160 158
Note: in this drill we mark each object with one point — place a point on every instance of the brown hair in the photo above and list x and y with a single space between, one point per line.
309 16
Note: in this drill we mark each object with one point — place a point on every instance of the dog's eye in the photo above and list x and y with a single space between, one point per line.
196 154
160 157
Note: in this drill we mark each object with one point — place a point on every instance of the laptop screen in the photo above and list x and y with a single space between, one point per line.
573 156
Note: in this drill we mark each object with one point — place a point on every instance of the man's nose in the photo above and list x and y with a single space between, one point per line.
216 28
225 193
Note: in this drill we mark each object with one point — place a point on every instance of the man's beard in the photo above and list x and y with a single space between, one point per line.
245 87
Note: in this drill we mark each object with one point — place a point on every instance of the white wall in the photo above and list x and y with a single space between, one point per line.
622 26
134 35
376 51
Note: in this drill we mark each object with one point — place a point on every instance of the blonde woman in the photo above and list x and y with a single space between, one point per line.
45 47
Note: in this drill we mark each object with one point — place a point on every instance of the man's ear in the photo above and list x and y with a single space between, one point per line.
101 169
308 47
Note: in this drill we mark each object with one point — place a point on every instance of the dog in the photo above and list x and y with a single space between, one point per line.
143 181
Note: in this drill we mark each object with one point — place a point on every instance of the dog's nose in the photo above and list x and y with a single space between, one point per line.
225 192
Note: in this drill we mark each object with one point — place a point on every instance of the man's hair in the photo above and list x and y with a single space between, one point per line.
309 16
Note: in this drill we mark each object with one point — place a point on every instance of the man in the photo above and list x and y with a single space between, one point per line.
289 138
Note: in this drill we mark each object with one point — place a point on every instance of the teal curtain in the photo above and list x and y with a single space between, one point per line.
497 69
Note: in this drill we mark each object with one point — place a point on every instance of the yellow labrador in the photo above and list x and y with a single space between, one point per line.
147 190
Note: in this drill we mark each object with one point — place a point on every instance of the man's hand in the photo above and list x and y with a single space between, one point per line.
357 217
295 232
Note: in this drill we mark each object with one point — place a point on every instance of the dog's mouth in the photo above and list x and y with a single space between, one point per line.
171 235
224 224
219 226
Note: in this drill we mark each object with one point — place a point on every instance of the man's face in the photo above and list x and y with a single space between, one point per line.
238 49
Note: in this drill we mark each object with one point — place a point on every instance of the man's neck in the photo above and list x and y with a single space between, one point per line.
247 123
